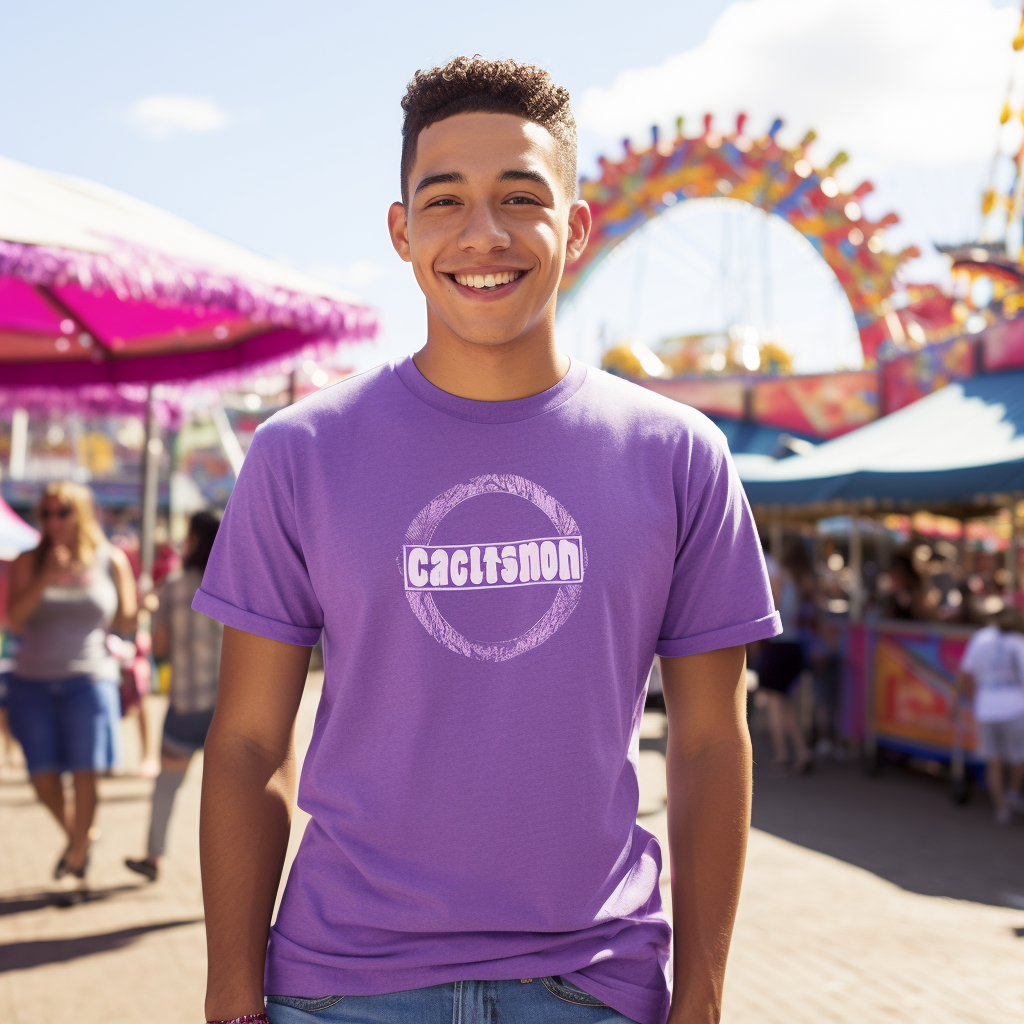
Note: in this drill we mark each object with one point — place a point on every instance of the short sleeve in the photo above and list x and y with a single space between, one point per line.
256 579
720 595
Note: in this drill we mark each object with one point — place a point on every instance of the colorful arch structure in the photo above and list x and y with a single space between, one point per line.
762 172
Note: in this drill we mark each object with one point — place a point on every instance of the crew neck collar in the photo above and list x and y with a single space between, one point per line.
491 412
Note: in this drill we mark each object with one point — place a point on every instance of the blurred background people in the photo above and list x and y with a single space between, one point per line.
191 641
907 597
782 657
133 660
825 642
992 674
65 597
136 683
10 751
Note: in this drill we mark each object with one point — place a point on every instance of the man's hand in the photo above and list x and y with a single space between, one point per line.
709 788
248 791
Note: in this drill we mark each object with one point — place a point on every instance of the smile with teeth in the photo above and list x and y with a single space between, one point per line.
487 280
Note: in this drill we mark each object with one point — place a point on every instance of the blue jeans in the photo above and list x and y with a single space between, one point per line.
530 1001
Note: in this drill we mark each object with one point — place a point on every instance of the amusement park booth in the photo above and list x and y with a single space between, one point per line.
958 452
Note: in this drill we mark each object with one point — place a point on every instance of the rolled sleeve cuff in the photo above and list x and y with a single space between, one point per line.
250 622
730 636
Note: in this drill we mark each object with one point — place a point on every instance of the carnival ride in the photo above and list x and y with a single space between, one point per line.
766 174
915 338
957 452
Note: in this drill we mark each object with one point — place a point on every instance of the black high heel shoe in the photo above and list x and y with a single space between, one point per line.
142 867
79 872
61 868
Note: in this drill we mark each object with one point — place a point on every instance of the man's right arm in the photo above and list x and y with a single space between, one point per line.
248 792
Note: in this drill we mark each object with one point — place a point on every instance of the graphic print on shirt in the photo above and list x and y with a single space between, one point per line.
548 555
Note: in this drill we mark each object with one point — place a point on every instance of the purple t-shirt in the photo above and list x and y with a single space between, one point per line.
492 580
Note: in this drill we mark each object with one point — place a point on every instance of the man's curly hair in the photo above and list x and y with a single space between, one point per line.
472 85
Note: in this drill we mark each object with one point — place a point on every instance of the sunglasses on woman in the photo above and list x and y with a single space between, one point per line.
55 513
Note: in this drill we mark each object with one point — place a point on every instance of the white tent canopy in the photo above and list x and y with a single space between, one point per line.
43 208
961 442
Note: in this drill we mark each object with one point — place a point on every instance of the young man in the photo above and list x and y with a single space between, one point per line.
494 541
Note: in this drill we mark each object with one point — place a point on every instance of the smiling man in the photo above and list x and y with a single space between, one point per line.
494 541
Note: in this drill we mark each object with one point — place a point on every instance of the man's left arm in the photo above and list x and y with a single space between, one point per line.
709 767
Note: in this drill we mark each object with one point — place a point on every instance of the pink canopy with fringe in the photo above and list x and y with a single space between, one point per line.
102 290
16 535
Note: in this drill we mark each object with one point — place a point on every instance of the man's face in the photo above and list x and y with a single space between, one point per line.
488 226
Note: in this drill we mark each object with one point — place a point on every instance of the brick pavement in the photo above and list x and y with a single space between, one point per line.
864 901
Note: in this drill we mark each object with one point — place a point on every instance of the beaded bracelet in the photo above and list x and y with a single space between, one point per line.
248 1018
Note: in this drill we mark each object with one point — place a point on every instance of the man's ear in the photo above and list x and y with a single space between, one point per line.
398 228
579 230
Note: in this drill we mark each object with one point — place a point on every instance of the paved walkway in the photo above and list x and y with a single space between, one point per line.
864 901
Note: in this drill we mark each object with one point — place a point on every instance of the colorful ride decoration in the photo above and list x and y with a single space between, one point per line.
766 174
717 396
916 374
988 286
822 404
829 404
1003 346
1008 206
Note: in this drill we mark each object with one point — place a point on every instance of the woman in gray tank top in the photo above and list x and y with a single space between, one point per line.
65 597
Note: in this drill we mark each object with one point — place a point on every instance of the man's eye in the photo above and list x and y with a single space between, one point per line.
444 201
523 200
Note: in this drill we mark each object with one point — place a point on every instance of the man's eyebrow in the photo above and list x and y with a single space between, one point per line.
535 176
447 178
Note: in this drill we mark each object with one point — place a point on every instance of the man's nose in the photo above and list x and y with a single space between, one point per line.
483 231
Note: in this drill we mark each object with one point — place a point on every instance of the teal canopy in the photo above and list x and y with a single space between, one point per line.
960 449
746 437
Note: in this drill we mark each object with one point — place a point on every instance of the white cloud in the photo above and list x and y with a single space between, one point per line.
888 80
160 117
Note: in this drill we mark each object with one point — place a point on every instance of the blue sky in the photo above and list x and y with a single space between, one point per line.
298 157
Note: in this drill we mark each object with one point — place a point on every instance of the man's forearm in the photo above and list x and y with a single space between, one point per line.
709 794
243 836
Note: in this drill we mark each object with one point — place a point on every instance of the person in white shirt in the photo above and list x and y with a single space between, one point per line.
992 673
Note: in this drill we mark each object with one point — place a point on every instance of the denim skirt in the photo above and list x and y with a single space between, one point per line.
64 725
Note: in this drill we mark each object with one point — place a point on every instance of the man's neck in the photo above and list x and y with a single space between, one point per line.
486 373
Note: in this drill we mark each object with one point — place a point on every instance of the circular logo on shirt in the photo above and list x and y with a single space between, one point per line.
495 551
